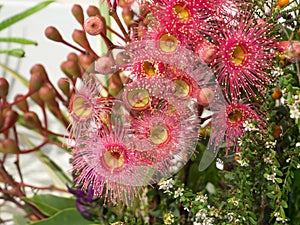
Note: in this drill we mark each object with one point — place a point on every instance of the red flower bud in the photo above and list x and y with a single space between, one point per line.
53 34
36 81
73 56
95 25
205 96
78 13
86 61
4 87
9 146
127 15
10 118
32 120
64 85
22 105
36 98
46 93
71 68
80 38
93 11
291 49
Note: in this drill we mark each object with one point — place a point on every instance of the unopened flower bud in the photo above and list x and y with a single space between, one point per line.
80 38
127 15
95 25
86 61
4 87
71 68
39 68
46 93
32 120
277 130
277 93
64 85
93 11
78 13
36 98
206 51
205 96
282 3
22 105
53 34
36 81
105 65
9 146
125 3
115 85
73 56
10 118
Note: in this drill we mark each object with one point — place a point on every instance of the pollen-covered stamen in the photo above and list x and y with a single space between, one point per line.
239 54
138 98
149 68
168 43
81 108
182 12
182 88
235 116
159 134
114 158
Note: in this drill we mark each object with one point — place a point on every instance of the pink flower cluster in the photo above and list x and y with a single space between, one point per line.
176 72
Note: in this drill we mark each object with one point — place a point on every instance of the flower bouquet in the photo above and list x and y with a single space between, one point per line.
189 114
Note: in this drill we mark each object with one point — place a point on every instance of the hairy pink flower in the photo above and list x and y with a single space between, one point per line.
243 55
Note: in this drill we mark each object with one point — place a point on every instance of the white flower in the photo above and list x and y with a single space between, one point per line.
178 192
249 126
294 112
201 214
272 177
268 159
277 72
166 185
201 198
169 218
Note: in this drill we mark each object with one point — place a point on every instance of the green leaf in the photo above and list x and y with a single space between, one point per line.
54 168
65 217
284 204
16 18
22 41
20 220
15 74
50 204
17 52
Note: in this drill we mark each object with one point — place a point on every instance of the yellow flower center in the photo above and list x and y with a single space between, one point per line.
168 43
81 108
182 88
239 54
113 158
149 68
235 116
159 134
138 98
182 12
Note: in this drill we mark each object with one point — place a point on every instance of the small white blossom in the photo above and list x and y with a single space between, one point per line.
201 198
178 192
201 214
268 159
294 112
297 144
249 126
298 166
270 144
272 177
166 185
169 218
277 72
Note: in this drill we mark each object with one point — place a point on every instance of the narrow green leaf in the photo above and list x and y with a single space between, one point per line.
15 74
50 204
16 18
54 168
22 41
65 217
20 220
16 52
284 204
